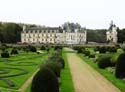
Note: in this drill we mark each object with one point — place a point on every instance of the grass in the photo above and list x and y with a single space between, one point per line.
117 82
66 78
19 80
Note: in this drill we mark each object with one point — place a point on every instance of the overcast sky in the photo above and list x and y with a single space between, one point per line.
89 13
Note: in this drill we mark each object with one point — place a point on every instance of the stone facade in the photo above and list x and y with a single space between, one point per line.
112 34
53 35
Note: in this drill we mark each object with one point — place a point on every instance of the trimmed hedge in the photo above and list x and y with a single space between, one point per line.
5 54
54 66
14 51
104 61
120 66
45 81
43 48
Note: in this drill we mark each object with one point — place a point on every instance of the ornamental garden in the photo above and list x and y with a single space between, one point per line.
45 68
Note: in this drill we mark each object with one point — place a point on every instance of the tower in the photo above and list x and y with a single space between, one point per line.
112 33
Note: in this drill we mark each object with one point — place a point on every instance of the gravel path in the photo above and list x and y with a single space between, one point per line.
85 78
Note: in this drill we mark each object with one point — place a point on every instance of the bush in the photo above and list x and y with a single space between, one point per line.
45 81
112 49
5 54
47 49
102 49
91 56
120 66
80 49
58 47
86 52
14 51
32 49
54 58
54 66
104 61
43 48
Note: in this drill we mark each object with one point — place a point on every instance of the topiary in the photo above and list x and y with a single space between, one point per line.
80 49
45 81
57 47
92 56
112 49
86 52
104 61
120 66
32 49
102 49
5 54
43 48
54 66
14 51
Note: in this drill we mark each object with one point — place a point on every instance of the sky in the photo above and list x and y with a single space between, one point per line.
94 14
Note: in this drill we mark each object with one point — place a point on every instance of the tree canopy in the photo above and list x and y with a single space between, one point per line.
10 32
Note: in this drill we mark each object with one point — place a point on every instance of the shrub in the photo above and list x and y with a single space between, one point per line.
14 51
91 56
102 49
86 52
47 49
57 47
112 49
32 49
96 48
5 54
43 48
80 49
104 61
54 66
45 81
120 66
54 58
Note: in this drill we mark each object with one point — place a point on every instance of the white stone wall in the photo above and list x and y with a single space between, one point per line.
49 36
112 35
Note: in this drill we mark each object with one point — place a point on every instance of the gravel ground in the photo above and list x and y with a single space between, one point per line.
85 78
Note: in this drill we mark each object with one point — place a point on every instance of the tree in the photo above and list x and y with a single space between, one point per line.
10 32
121 35
96 35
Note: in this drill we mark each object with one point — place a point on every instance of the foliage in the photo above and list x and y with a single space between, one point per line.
5 54
96 35
112 49
104 61
30 48
10 33
14 51
86 52
58 47
120 66
54 66
55 58
121 35
43 48
91 56
45 81
102 49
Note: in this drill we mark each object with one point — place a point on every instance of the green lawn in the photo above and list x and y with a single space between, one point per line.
66 78
27 61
